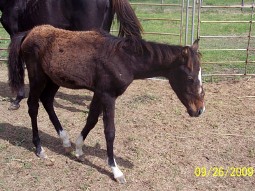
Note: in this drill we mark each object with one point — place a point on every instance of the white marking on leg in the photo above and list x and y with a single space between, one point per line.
65 138
79 144
42 154
117 172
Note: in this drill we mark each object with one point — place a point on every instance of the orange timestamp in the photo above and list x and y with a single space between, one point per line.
224 172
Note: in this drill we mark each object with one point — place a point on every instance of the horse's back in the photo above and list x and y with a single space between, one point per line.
67 57
87 14
66 14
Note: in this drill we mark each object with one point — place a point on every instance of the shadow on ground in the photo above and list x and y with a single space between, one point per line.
6 93
21 137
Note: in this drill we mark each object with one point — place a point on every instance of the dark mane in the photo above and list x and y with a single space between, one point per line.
140 47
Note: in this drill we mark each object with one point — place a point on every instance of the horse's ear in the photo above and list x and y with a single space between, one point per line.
185 51
195 45
185 54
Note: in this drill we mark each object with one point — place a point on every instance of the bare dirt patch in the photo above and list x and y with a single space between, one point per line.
157 146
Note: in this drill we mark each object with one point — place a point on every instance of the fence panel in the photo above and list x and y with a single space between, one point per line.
4 42
225 29
162 20
227 38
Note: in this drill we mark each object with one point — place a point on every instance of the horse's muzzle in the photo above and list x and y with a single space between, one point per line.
196 113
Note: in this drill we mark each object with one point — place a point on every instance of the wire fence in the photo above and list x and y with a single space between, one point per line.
248 50
231 53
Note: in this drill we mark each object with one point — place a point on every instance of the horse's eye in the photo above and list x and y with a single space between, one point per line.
190 79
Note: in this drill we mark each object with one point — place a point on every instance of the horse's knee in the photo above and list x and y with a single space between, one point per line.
109 135
32 107
32 111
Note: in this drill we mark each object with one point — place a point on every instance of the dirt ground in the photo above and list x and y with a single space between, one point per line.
157 146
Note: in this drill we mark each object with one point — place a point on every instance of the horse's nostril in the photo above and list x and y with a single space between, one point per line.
200 112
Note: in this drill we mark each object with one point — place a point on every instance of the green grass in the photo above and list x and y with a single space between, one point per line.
212 29
228 58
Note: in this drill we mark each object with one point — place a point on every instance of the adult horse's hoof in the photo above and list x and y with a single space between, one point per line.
14 106
121 179
81 158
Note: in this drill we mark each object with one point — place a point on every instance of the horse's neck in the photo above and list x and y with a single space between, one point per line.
155 65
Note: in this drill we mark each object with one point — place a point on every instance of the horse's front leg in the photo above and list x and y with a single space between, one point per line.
109 130
20 95
94 112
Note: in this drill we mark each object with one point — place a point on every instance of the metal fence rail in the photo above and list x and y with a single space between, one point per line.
189 23
162 4
248 36
3 49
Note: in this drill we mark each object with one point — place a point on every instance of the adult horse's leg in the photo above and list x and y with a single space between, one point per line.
94 112
20 95
108 103
47 99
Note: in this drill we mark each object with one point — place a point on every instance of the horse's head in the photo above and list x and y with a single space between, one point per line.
186 80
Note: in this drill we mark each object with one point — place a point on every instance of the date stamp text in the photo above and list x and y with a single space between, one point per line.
224 171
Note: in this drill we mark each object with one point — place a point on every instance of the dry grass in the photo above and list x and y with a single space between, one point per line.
158 146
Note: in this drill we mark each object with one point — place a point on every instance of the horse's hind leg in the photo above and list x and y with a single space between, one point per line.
20 95
33 105
47 99
94 112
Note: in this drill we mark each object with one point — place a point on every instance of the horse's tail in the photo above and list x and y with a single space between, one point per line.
15 64
129 23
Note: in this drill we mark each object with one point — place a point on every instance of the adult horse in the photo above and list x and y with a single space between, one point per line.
104 64
76 15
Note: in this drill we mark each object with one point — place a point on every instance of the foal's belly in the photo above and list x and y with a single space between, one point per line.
74 73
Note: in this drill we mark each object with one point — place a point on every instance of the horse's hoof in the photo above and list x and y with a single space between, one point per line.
42 155
121 179
68 149
81 158
14 106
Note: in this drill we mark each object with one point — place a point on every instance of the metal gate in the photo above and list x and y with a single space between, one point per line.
230 53
234 50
